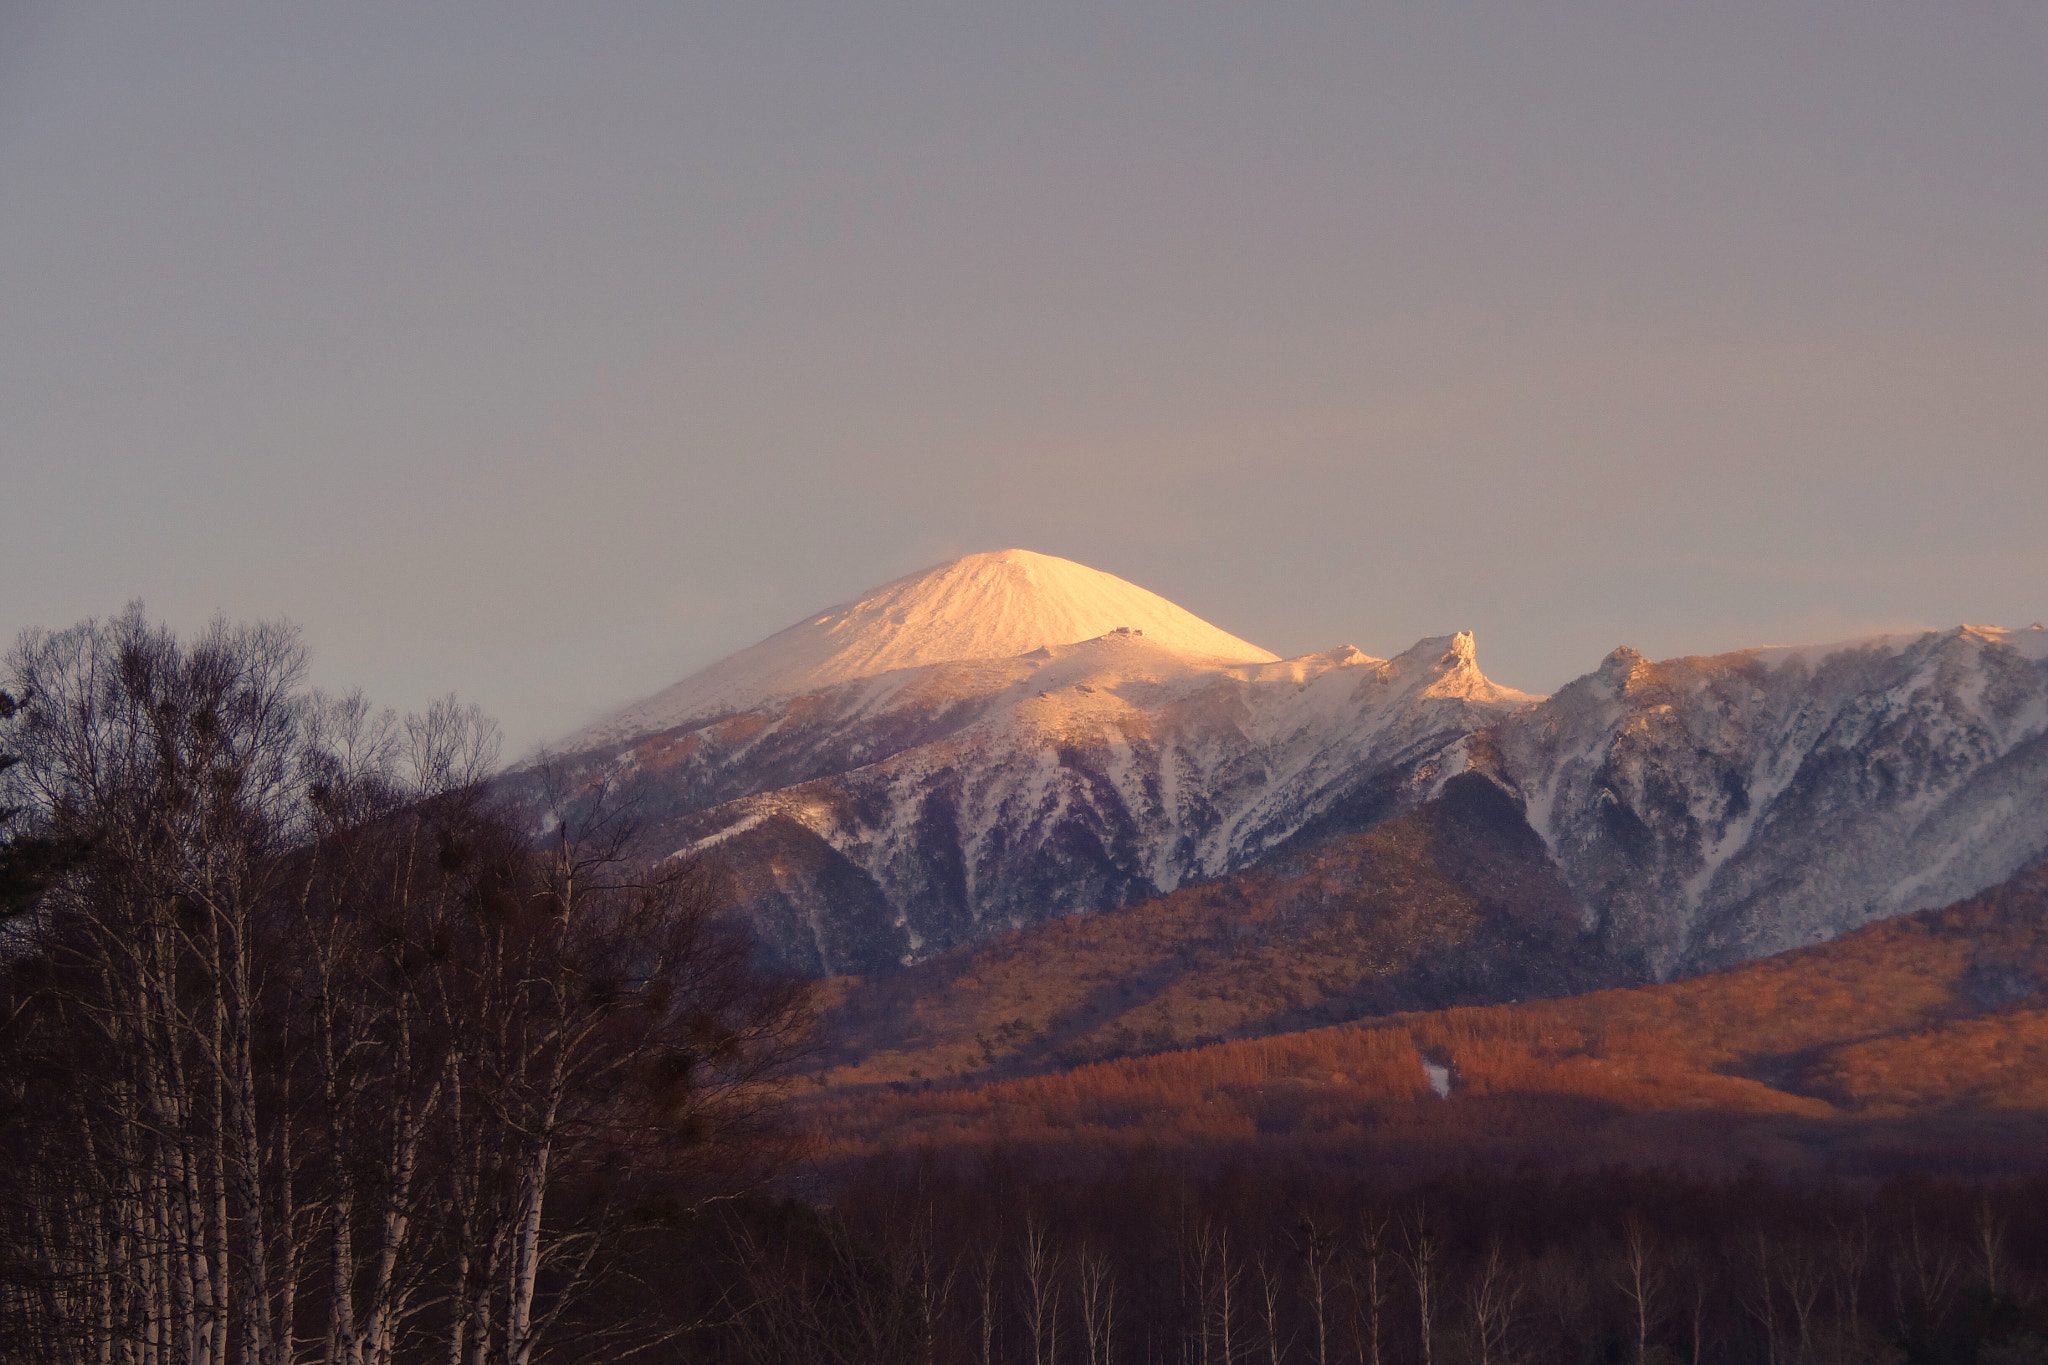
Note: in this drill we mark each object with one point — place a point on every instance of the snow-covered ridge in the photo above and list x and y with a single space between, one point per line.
885 812
2030 643
983 606
1012 737
1715 808
1072 778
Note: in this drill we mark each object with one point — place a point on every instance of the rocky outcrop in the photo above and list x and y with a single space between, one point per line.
1712 810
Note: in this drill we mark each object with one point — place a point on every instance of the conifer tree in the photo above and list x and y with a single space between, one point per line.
26 861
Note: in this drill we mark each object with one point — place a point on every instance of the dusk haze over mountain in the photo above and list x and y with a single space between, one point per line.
1065 684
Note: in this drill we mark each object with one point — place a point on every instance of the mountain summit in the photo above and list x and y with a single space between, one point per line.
995 605
1011 737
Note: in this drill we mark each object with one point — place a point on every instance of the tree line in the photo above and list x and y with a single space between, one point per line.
1150 1264
311 1052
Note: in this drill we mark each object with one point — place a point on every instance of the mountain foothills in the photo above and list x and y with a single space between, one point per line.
1919 1043
1010 739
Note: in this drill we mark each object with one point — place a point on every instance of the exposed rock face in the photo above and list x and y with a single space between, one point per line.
1454 903
1712 810
890 818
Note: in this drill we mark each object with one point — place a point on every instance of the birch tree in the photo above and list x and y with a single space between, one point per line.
1419 1256
1641 1281
1095 1291
1317 1247
310 1056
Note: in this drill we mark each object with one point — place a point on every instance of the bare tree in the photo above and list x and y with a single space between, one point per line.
1851 1245
615 1053
178 766
1697 1302
1419 1255
1272 1292
1317 1246
1490 1304
1850 1248
1803 1277
1095 1282
1216 1279
1762 1298
823 1298
987 1266
1926 1274
1040 1263
1369 1287
1990 1237
316 1058
932 1279
1641 1281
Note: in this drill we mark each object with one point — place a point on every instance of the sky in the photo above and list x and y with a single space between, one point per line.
547 353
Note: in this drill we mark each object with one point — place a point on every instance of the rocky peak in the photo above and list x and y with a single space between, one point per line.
1620 666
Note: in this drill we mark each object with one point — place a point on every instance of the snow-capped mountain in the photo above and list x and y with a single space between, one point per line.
870 819
1009 737
1711 810
1101 773
982 606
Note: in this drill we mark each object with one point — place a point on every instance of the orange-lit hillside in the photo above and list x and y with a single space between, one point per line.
1455 902
1920 1040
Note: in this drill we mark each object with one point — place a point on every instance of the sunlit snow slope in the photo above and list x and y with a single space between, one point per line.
1069 780
983 606
1010 738
944 758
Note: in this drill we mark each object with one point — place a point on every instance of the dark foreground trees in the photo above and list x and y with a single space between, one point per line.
311 1056
27 861
938 1262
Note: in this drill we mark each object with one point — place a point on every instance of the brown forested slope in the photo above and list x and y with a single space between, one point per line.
1921 1041
1454 903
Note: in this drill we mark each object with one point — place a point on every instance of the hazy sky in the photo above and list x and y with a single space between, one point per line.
547 353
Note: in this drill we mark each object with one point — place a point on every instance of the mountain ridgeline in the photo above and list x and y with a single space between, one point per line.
1010 739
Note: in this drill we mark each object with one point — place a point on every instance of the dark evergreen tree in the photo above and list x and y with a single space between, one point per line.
27 860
